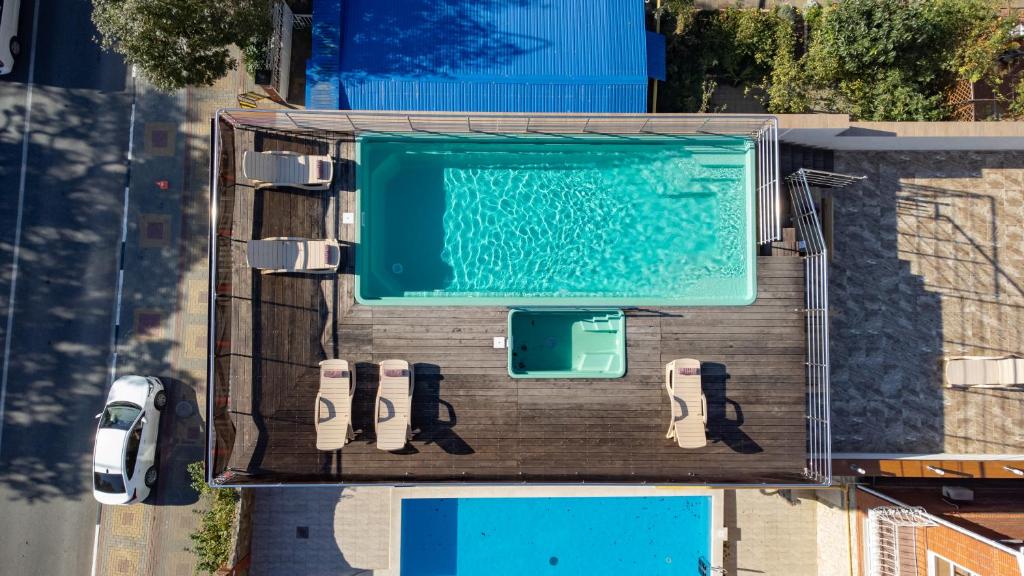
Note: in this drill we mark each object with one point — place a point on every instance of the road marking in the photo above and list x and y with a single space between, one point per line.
21 207
115 332
96 540
119 293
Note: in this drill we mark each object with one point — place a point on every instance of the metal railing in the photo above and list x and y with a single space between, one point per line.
762 130
815 254
350 122
887 547
769 217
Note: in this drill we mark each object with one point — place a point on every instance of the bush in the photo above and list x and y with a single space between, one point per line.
897 59
739 47
872 59
211 542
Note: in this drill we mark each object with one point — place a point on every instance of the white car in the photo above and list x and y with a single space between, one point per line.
9 44
124 458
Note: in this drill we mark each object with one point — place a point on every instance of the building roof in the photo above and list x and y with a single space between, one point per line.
479 55
996 511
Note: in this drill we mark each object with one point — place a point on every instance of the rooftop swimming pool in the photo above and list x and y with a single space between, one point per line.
559 535
573 221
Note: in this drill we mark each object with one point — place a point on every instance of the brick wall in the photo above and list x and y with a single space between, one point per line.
951 544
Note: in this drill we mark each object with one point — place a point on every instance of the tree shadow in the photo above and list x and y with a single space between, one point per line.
65 29
60 341
435 38
725 416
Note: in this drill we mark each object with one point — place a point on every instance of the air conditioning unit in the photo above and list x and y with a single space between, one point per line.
958 493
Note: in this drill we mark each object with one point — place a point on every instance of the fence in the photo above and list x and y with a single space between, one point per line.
808 226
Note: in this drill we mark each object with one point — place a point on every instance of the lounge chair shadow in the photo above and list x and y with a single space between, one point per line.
428 426
723 427
364 402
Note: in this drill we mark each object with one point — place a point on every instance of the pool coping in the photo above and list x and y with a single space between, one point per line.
718 531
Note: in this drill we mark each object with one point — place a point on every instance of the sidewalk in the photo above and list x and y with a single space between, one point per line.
163 316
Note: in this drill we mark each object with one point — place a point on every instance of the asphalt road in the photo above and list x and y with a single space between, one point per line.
60 341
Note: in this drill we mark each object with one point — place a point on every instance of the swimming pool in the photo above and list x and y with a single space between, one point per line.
559 535
589 221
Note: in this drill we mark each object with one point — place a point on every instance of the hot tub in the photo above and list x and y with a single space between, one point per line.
566 343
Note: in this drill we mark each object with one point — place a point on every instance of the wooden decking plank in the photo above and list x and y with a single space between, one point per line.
478 424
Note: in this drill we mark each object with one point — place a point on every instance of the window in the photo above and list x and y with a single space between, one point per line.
109 483
119 415
131 450
939 566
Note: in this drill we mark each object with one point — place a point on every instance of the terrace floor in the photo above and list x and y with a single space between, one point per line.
474 422
927 263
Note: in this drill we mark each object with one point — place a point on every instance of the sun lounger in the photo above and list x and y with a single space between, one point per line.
984 371
332 415
279 168
283 254
394 405
689 406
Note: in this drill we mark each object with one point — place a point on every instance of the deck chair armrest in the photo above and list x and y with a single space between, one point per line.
316 413
704 407
290 238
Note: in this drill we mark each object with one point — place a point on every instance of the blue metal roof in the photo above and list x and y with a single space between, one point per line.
480 55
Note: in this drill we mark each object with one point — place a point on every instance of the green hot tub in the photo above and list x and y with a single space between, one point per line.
566 343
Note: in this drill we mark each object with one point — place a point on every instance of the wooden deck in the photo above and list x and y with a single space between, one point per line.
475 423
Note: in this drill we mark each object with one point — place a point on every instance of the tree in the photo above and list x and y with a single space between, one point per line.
178 43
897 59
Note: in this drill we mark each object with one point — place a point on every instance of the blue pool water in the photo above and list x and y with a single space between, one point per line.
557 536
600 221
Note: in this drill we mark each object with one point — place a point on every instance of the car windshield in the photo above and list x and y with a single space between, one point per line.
109 483
119 416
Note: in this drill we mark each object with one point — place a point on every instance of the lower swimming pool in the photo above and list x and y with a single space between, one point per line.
581 221
592 536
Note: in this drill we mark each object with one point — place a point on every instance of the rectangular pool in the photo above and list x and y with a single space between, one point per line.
580 221
559 535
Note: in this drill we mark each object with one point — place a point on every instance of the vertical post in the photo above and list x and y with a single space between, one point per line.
657 28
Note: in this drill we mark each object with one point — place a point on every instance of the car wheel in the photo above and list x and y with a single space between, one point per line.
151 476
160 400
15 46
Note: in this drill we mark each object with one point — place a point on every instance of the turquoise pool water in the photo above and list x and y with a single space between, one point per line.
597 221
584 536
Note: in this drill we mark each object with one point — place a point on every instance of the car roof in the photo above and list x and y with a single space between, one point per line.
108 455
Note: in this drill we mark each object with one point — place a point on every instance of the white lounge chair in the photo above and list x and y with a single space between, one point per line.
689 406
394 405
984 371
332 415
280 168
287 254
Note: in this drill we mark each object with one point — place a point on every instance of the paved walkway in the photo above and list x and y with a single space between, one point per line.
786 532
163 316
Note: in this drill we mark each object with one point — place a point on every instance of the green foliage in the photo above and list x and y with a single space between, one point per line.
896 59
178 43
750 48
872 59
211 542
1017 103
